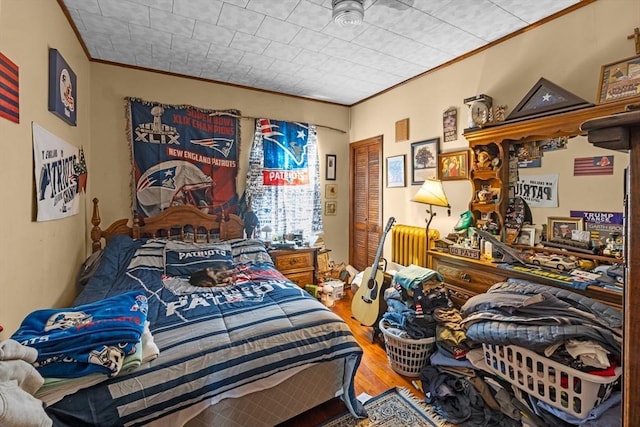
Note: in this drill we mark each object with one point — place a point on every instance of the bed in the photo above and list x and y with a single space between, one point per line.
256 351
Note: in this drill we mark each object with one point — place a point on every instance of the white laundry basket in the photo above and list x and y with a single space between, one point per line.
572 391
406 356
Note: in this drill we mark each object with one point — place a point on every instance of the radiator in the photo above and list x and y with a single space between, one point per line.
408 245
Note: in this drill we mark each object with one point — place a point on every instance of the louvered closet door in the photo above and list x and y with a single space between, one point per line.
365 214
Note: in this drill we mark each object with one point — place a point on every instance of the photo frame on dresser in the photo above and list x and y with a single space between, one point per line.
424 160
619 80
562 227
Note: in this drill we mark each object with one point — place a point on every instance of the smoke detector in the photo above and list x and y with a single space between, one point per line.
348 12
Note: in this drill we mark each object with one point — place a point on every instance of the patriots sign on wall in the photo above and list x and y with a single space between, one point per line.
183 155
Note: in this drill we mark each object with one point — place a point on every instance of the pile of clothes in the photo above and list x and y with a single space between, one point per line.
411 300
555 323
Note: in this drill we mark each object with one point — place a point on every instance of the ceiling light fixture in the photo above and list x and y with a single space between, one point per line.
348 12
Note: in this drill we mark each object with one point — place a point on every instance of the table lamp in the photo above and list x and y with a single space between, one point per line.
431 193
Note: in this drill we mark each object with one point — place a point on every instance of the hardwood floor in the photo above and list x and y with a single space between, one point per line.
374 374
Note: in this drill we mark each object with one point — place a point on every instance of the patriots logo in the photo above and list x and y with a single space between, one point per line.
162 178
293 139
221 145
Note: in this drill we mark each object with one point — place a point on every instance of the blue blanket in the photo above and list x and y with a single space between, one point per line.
211 340
87 339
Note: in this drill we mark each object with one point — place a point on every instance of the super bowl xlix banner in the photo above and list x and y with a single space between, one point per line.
56 173
183 155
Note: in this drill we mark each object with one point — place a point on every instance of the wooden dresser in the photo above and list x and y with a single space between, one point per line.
465 277
298 265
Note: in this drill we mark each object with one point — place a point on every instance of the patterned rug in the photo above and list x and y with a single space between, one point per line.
396 407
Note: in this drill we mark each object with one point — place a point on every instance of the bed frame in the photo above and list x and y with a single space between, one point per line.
268 407
184 222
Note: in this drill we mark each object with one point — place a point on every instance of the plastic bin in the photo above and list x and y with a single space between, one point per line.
406 356
338 288
572 391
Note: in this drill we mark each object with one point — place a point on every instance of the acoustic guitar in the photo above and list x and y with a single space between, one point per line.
365 305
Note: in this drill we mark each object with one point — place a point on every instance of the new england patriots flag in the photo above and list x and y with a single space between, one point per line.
183 155
285 152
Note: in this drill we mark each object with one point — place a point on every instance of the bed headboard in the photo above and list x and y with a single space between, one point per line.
186 223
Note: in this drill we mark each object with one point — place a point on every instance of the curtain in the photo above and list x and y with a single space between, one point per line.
283 179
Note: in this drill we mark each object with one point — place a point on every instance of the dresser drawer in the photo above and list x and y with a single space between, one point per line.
301 279
466 277
298 265
294 260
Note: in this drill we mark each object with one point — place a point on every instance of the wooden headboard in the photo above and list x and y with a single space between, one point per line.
186 223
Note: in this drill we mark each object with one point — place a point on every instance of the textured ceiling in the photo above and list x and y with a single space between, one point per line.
293 46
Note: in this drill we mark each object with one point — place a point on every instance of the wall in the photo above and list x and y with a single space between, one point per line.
568 51
110 166
40 273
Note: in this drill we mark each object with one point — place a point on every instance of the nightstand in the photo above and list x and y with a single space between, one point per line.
298 265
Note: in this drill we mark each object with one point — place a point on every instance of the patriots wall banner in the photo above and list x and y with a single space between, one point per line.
283 178
183 155
285 152
56 173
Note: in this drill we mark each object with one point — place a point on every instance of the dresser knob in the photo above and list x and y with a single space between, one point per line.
465 277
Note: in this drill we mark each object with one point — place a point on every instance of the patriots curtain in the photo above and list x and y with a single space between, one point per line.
183 155
283 179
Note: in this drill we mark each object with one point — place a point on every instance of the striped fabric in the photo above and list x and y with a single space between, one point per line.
9 93
211 341
601 165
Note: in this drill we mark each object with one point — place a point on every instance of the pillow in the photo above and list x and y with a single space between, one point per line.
182 259
249 250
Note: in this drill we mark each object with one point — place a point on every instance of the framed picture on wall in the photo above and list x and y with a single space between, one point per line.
330 208
331 167
331 191
62 88
424 160
453 166
395 171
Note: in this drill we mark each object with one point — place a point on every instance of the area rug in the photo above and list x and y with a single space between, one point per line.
396 407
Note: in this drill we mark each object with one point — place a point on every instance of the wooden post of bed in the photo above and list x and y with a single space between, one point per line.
96 233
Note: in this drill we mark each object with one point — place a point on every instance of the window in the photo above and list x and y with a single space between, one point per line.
283 180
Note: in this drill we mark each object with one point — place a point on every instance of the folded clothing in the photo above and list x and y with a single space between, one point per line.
88 338
412 276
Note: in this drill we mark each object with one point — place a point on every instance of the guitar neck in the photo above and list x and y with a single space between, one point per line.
376 261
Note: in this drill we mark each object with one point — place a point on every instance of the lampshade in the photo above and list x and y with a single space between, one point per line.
348 12
432 193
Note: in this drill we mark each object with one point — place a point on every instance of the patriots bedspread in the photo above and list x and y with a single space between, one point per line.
211 340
